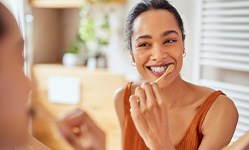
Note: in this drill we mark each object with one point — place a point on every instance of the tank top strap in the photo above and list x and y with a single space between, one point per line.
205 107
130 135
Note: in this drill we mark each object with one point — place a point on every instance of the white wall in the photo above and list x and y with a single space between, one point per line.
187 10
119 59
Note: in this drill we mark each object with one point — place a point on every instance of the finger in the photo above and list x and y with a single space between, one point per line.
150 97
160 100
92 126
141 98
91 134
73 118
134 105
94 137
138 119
153 106
87 129
140 93
68 135
157 93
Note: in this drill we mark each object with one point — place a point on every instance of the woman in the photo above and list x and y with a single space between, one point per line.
171 114
14 88
14 91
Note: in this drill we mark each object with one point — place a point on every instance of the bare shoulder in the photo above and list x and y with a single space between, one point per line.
119 96
120 92
223 111
119 105
224 106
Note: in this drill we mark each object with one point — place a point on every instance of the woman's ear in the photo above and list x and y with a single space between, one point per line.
132 59
184 53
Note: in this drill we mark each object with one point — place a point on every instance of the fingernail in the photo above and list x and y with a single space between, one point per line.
144 83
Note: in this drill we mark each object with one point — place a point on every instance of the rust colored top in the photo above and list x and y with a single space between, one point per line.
192 138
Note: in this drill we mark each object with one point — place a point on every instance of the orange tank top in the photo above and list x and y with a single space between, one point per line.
192 138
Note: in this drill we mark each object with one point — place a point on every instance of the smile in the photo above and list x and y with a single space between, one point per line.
158 70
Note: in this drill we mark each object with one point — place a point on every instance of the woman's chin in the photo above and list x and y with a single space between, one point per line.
169 80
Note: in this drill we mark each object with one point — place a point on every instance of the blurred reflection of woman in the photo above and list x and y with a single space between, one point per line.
173 114
14 87
14 90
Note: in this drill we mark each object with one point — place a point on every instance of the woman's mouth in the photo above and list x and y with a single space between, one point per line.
158 70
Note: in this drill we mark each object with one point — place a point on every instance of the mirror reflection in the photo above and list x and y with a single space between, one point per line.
123 74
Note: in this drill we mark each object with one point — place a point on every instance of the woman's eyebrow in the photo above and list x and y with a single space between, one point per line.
144 37
162 35
168 32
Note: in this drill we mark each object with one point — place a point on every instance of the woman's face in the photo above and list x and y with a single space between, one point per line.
14 86
156 43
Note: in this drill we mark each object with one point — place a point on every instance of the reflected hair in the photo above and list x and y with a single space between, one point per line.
2 23
146 5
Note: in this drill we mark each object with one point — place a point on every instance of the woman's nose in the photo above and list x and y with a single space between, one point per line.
157 53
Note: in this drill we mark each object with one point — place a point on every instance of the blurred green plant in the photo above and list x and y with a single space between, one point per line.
91 36
74 48
86 30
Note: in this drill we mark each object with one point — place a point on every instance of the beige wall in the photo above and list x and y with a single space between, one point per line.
54 30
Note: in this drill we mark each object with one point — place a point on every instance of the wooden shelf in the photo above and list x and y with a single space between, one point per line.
56 3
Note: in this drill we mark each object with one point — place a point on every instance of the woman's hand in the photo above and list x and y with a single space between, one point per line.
81 132
149 114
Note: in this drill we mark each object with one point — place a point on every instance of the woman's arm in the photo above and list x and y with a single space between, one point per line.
119 106
219 124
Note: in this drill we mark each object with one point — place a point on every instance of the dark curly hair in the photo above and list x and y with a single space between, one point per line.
146 5
2 25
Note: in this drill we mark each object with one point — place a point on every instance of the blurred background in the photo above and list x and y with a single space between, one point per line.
76 56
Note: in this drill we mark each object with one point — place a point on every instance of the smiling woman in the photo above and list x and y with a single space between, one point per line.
171 114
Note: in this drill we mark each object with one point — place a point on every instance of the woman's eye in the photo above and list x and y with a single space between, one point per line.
169 41
144 45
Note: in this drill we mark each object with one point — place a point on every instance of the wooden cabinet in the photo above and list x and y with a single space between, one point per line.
97 89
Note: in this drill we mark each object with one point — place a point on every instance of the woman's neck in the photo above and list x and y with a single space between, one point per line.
176 91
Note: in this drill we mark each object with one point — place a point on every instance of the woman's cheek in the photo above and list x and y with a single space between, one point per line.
179 61
139 64
142 55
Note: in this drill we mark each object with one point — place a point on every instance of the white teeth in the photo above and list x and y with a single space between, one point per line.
159 69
